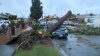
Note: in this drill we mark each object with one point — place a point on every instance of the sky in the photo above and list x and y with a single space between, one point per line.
50 7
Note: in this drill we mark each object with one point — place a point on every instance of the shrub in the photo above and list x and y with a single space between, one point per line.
87 31
37 26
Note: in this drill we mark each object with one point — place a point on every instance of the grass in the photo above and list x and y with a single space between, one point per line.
38 51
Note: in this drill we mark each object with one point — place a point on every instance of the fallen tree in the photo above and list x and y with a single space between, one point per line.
38 36
60 22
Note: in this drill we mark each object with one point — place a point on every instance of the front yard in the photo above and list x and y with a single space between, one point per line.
38 50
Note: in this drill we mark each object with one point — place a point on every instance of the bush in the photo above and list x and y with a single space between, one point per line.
87 31
37 26
0 30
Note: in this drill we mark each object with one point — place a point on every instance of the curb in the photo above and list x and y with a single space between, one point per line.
61 51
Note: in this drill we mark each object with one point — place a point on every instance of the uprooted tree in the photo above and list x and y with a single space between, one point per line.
41 34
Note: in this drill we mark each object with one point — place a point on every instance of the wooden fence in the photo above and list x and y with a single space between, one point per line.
8 34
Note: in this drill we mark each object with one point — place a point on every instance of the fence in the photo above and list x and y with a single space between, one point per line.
8 33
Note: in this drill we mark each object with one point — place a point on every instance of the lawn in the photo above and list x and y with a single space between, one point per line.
38 51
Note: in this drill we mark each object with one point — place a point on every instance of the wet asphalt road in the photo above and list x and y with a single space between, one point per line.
76 46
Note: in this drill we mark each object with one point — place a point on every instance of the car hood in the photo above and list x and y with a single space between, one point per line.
59 33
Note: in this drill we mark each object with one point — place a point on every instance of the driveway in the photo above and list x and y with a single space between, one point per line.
76 46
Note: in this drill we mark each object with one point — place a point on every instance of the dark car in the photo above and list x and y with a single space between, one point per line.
60 33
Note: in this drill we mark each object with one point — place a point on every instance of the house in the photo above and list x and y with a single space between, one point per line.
85 17
94 22
52 20
90 20
49 20
70 23
4 20
3 17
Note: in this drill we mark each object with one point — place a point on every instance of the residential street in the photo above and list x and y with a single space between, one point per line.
76 45
35 28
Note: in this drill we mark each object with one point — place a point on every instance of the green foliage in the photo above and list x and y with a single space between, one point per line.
37 26
38 51
46 17
12 23
42 32
5 14
0 30
12 17
36 10
21 21
72 15
86 30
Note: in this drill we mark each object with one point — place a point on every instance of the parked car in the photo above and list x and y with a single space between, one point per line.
60 33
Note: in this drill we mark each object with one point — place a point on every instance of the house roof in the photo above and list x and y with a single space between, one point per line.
85 16
3 17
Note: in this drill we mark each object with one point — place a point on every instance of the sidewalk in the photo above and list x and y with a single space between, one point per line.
7 50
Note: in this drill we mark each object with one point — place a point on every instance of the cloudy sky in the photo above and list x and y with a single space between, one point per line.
50 7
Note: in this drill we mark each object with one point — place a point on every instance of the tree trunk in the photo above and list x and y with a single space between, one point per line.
59 23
